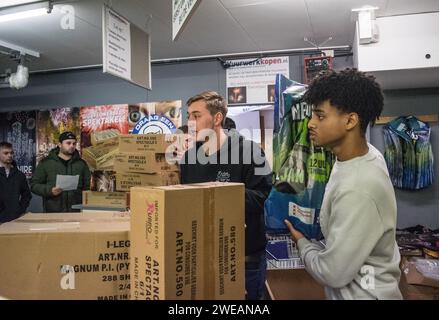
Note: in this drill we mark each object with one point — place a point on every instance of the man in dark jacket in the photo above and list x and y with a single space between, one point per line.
15 194
230 158
63 160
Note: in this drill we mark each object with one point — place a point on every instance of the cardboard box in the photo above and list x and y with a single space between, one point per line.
103 136
106 199
126 180
293 284
157 143
167 251
224 240
146 162
196 230
101 155
413 275
39 252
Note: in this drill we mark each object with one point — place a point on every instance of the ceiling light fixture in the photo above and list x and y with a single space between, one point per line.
23 11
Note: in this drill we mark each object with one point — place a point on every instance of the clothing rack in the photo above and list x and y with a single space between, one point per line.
423 118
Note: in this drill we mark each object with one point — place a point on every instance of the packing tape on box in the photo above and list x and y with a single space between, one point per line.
56 226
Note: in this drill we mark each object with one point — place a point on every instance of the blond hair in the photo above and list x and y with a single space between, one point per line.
214 102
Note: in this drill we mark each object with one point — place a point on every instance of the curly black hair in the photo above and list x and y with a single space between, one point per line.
348 90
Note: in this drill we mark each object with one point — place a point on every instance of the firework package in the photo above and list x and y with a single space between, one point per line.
101 155
187 242
106 199
110 181
65 256
301 170
408 153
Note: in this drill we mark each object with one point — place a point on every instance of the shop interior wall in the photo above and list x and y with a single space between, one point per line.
180 81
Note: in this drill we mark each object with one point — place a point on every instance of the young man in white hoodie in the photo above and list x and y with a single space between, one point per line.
360 258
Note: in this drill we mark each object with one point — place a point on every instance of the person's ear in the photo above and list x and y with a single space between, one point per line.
352 120
218 119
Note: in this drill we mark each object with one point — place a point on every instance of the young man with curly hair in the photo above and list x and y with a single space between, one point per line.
360 258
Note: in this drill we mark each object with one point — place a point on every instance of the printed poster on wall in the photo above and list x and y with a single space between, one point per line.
51 123
251 81
19 129
169 109
102 122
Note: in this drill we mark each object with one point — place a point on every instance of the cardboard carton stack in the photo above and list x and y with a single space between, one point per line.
141 161
96 199
187 242
100 156
65 256
125 161
99 136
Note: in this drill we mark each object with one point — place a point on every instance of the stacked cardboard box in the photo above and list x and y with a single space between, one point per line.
100 136
112 181
187 242
126 161
106 199
141 161
125 180
100 156
65 256
146 162
157 143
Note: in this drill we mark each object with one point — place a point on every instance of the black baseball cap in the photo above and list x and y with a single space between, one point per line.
66 136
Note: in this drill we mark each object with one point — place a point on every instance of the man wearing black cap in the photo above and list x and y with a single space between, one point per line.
63 160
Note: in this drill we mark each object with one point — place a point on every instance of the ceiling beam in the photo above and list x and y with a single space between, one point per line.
22 50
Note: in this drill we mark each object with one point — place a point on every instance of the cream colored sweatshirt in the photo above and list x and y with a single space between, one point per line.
360 259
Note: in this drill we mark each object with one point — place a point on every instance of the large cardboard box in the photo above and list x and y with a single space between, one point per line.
146 162
106 199
101 216
65 256
167 251
224 231
127 180
157 143
203 226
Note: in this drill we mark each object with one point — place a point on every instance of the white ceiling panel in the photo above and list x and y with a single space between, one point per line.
214 30
335 19
275 24
65 47
397 7
216 27
243 3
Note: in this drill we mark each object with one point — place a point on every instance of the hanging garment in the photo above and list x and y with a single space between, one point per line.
408 153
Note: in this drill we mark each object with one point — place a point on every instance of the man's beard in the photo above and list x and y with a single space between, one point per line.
67 152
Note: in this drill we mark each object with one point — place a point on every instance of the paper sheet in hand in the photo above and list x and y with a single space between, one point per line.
67 183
